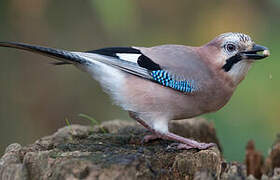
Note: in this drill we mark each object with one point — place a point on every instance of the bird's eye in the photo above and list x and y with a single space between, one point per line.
230 47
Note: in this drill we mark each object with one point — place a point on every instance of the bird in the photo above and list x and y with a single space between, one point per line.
165 82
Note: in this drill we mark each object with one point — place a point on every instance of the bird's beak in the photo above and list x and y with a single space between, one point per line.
256 53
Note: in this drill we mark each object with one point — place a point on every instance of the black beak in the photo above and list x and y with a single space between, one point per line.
253 54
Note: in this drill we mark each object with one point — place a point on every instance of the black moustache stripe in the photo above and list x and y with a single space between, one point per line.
231 61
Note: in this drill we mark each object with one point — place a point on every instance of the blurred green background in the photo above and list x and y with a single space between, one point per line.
36 97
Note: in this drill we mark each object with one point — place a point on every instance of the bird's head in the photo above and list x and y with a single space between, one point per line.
235 54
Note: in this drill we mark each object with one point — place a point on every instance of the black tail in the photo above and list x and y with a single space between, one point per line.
65 56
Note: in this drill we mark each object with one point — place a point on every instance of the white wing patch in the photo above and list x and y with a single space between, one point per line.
128 57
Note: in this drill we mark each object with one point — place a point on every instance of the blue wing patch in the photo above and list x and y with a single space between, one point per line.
165 79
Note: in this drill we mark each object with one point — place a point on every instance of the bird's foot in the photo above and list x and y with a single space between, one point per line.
182 146
149 138
202 146
185 143
179 146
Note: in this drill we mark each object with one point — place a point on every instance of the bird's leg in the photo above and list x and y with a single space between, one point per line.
146 138
184 143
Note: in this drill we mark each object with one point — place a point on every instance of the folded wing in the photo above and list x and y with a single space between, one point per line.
169 65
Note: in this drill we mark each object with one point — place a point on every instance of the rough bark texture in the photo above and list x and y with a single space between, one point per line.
113 150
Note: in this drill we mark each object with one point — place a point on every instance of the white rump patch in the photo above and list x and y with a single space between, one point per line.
129 57
110 78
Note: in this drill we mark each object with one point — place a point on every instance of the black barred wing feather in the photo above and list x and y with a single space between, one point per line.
165 78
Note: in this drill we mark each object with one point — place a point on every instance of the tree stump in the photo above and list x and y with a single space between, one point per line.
114 150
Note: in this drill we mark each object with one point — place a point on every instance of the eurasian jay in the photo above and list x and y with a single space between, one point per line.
166 82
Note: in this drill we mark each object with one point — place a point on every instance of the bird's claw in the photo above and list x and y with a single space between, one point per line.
149 138
202 146
181 146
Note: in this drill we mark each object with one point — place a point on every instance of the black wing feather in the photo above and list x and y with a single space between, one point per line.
143 61
112 51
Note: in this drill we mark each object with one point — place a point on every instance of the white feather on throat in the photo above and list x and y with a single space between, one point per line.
239 70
